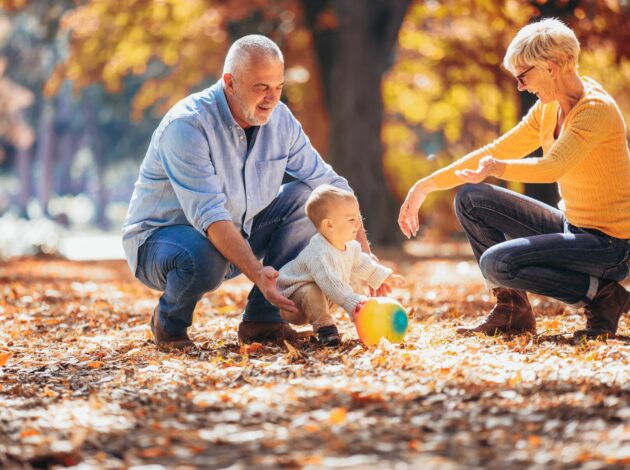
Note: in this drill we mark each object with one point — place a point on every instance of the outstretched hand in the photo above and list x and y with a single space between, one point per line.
267 285
488 166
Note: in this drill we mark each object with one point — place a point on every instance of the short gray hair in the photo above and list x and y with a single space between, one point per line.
247 47
543 41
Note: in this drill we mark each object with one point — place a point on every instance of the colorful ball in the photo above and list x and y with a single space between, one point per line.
381 317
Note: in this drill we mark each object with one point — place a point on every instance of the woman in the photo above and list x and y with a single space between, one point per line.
577 254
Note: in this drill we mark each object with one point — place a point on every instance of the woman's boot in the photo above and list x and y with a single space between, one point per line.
605 310
511 314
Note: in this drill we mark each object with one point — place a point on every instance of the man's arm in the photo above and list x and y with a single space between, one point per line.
229 242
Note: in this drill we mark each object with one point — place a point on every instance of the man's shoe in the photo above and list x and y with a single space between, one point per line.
329 336
163 338
511 314
261 332
603 313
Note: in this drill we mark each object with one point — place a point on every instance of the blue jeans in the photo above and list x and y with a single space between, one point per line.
523 244
182 263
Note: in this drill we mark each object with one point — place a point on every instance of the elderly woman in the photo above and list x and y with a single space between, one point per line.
576 254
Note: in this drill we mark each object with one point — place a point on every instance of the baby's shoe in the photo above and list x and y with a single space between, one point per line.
329 336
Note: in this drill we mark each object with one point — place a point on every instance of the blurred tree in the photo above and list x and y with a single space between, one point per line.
33 48
447 93
109 41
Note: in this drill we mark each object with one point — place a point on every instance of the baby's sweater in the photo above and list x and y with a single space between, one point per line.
333 271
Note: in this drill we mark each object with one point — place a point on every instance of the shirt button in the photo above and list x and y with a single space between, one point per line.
241 137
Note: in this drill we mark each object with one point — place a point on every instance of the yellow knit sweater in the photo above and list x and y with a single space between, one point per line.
589 160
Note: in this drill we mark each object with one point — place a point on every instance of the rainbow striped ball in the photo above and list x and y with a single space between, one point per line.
381 317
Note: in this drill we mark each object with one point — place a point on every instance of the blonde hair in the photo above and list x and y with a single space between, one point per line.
322 199
541 42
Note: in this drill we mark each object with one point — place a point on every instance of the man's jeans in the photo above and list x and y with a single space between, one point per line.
524 244
182 263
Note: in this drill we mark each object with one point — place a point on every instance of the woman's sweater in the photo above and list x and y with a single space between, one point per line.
333 270
589 160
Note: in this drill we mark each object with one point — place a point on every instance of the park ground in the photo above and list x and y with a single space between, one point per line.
81 383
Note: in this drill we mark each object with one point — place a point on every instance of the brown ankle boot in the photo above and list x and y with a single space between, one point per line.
511 314
163 338
604 311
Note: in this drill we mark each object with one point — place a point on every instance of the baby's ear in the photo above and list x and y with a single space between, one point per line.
326 224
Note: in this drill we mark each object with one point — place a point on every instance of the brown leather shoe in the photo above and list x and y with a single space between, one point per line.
511 314
259 332
163 338
604 312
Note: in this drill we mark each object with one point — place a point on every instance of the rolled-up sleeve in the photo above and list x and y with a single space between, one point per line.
185 156
305 164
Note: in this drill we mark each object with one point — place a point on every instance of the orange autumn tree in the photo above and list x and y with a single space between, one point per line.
177 45
447 94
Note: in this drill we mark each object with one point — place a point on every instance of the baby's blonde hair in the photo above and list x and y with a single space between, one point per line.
322 200
548 40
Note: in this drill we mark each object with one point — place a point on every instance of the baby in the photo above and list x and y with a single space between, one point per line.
322 273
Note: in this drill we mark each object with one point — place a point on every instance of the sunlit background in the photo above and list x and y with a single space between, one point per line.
84 83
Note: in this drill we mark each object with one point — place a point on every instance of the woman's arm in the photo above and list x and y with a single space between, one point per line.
517 143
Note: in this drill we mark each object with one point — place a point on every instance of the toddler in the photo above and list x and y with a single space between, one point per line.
322 273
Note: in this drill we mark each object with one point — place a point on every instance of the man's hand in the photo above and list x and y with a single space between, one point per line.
488 166
408 216
266 282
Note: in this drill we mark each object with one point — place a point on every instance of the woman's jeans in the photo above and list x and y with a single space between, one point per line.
182 263
521 243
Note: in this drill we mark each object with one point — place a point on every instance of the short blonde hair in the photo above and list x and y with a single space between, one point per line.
548 40
322 199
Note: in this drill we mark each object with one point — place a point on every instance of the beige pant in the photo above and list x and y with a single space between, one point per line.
314 307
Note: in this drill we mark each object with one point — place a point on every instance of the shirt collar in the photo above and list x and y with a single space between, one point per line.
224 108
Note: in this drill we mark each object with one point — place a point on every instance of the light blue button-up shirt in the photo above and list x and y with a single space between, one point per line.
199 170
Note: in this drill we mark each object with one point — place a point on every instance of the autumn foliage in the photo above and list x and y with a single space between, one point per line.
81 382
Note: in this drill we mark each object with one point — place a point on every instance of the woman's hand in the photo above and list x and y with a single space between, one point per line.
408 216
488 166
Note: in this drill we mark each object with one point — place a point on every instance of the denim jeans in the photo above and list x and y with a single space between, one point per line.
182 263
521 243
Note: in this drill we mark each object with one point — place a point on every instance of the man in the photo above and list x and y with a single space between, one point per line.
209 201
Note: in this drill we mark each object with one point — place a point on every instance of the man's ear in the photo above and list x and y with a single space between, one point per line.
228 82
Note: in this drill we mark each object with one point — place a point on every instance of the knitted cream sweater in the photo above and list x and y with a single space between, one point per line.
589 160
333 271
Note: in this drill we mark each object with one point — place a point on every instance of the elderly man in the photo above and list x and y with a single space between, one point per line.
209 201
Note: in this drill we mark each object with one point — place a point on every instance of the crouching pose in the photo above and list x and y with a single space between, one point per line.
577 254
322 274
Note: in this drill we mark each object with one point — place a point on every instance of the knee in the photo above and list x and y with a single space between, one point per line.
495 265
296 192
467 194
204 267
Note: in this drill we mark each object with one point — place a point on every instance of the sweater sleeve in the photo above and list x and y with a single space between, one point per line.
366 269
324 272
518 142
585 130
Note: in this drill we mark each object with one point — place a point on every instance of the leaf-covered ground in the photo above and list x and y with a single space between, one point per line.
82 385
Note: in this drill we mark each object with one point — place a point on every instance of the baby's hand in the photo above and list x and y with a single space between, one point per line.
396 280
357 309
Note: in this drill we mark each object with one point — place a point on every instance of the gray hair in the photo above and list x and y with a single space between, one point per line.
546 40
248 47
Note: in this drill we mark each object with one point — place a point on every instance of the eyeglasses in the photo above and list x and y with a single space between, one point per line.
520 78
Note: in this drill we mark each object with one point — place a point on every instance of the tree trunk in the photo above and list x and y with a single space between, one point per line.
66 142
45 156
24 162
95 143
352 59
